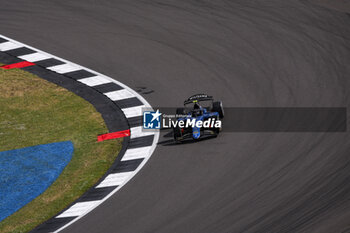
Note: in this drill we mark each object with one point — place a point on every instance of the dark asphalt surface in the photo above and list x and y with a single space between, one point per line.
246 53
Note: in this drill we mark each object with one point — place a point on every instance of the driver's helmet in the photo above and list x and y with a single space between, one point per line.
196 106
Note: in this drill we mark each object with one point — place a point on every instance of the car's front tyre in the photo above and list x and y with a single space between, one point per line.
217 107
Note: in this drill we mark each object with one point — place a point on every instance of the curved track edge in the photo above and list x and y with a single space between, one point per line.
121 108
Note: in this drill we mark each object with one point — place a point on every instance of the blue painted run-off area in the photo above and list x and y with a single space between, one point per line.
28 172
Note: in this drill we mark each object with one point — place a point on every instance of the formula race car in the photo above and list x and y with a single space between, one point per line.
197 121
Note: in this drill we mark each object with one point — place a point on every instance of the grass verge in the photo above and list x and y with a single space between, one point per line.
34 111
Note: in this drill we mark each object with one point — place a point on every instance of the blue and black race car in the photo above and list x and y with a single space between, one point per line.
197 121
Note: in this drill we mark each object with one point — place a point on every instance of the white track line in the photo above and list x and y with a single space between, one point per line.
33 57
64 68
115 179
79 208
9 45
94 81
119 95
136 153
136 132
133 111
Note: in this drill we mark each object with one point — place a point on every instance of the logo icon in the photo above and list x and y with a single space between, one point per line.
151 120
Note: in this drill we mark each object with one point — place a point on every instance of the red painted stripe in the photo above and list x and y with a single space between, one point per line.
18 65
119 134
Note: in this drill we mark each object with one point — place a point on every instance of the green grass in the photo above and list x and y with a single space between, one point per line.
34 111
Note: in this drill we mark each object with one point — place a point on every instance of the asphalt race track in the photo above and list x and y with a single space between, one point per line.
248 54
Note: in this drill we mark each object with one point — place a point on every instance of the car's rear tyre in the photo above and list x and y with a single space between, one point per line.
217 107
177 130
217 130
177 134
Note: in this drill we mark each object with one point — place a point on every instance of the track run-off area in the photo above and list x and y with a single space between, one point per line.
245 53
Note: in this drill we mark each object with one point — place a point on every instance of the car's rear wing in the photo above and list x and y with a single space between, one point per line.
198 98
